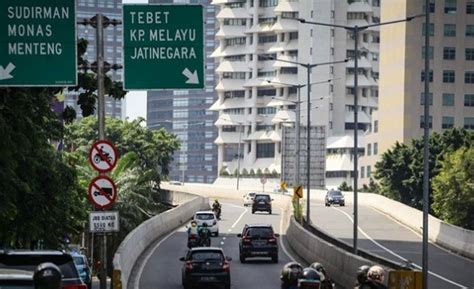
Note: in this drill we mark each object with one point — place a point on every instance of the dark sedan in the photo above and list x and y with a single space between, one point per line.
334 197
205 266
258 241
262 202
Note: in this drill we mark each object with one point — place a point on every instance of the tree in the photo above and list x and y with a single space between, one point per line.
453 188
344 187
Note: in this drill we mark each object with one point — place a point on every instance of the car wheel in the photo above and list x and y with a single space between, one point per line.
242 258
216 234
275 258
253 211
227 285
342 205
270 212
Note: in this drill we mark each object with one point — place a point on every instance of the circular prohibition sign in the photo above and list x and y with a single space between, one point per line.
102 192
103 156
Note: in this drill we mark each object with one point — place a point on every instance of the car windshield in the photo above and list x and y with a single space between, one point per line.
207 255
251 194
335 193
205 216
262 198
259 232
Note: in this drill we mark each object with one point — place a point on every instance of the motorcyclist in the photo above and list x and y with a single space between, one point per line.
47 276
193 234
205 235
326 282
362 274
290 274
216 207
309 278
375 279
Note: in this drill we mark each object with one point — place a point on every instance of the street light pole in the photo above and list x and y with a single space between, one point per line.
355 30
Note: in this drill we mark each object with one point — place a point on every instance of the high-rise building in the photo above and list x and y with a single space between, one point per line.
251 35
451 75
112 9
185 113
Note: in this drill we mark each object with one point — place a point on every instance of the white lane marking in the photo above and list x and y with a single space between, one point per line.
224 238
147 257
395 254
222 243
239 218
283 247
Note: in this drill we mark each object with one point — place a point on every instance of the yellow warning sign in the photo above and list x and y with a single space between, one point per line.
298 191
283 185
405 280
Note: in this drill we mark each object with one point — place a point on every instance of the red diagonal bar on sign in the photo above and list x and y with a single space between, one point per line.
102 155
102 192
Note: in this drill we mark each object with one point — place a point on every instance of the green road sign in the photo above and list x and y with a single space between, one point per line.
163 46
38 43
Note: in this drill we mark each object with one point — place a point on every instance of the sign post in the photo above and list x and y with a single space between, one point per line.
163 46
37 35
263 180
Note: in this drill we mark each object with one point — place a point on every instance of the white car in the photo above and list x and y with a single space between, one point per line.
210 219
248 199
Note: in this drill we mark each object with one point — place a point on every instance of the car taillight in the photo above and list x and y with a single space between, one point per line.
189 265
226 266
76 286
246 240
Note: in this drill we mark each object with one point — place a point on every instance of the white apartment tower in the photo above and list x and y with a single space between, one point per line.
251 34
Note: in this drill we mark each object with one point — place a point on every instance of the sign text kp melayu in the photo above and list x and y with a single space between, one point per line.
38 43
163 46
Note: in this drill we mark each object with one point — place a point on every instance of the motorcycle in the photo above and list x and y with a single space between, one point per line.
205 239
193 241
217 212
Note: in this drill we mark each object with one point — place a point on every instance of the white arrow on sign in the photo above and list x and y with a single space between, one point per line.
192 76
5 72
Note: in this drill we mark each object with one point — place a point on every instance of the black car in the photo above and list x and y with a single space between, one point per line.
262 202
205 266
258 241
334 197
29 260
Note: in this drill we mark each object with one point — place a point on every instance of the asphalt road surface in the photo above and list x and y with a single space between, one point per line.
385 237
161 268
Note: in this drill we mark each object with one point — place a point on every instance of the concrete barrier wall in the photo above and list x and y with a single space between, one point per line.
340 265
148 232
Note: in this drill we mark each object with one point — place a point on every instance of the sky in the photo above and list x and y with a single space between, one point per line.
135 100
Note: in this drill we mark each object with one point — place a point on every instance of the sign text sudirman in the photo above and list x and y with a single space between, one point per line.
38 43
163 46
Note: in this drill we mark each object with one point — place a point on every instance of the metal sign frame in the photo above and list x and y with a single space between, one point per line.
102 157
93 187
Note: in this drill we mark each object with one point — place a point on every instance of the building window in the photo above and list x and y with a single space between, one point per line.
267 38
449 76
266 92
450 6
376 3
376 126
369 149
266 110
449 53
422 98
376 148
469 77
470 7
469 30
432 6
362 172
430 77
293 35
469 122
369 171
469 100
448 99
430 52
447 122
422 121
469 53
431 29
265 150
235 41
235 21
267 3
449 30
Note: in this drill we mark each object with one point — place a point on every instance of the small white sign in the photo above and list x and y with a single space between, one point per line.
104 221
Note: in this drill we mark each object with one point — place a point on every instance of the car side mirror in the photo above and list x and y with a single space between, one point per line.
277 235
239 235
228 258
181 259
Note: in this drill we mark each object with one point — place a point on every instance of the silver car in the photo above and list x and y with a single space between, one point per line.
248 199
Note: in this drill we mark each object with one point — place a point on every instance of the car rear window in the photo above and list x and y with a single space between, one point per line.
207 255
335 193
262 197
205 216
259 232
78 260
30 262
251 194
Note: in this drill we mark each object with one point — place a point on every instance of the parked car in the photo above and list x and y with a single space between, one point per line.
248 199
262 202
29 260
210 219
205 266
334 197
83 268
258 241
16 279
176 183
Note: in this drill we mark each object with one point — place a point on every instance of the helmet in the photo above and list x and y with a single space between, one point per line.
376 273
291 271
362 273
311 274
216 200
318 267
47 276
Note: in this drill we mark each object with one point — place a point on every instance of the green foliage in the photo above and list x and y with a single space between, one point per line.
40 198
453 188
245 173
236 172
400 172
252 173
224 172
266 172
275 174
259 173
373 187
344 187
